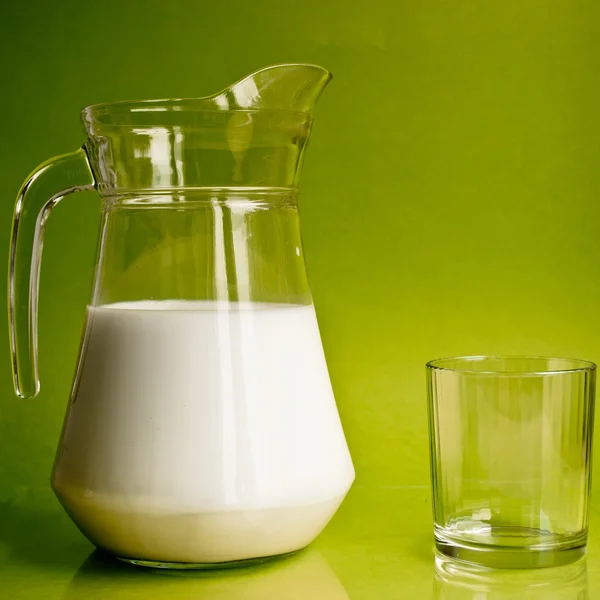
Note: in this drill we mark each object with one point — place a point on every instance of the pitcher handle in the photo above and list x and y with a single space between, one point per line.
38 195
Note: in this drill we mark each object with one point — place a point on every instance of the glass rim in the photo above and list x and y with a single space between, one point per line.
199 106
571 365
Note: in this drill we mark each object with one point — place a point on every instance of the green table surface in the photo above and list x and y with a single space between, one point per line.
378 546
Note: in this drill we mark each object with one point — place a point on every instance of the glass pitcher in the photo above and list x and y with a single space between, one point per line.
202 427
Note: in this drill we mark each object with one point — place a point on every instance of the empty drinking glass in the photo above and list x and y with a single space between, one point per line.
511 445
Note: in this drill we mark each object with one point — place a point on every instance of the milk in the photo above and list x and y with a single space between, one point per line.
202 432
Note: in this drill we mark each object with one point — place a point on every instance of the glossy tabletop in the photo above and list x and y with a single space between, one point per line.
379 546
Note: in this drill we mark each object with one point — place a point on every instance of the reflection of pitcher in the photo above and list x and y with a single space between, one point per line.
306 576
202 426
456 580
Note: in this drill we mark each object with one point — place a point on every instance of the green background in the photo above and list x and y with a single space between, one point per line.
449 198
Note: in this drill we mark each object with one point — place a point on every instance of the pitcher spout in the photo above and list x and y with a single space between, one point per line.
289 87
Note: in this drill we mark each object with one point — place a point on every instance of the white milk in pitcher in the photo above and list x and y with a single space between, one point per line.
202 432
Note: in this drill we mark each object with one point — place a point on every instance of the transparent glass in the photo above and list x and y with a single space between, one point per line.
511 447
202 427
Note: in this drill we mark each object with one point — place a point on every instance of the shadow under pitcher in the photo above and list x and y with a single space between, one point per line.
511 448
202 428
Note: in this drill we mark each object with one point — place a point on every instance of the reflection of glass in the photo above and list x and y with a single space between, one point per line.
306 576
457 580
511 446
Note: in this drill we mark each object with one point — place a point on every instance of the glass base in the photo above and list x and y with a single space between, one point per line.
231 564
497 555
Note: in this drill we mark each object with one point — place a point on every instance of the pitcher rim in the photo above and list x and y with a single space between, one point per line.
98 108
93 111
